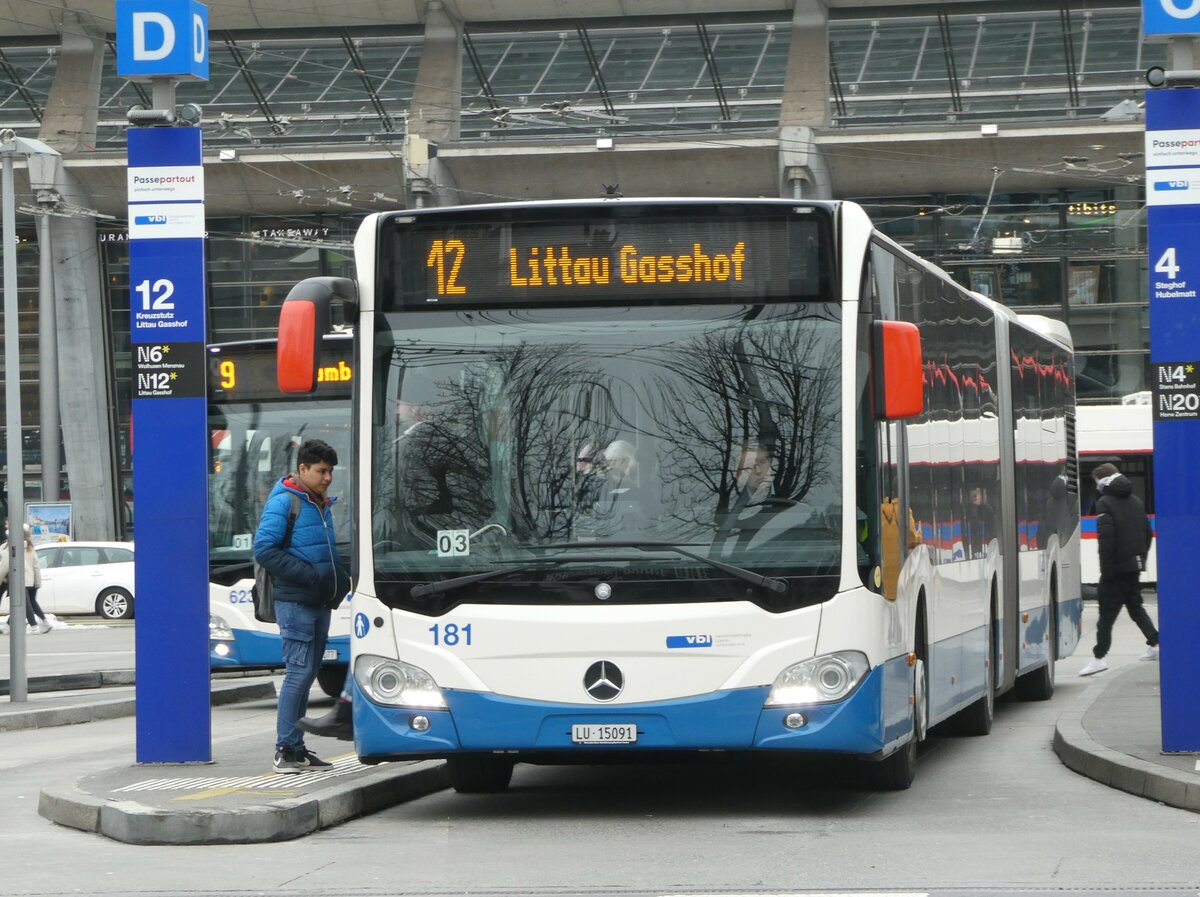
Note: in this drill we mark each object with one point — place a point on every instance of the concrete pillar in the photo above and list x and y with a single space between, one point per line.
69 122
86 396
436 104
805 104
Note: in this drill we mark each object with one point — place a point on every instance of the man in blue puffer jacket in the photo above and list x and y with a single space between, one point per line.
309 580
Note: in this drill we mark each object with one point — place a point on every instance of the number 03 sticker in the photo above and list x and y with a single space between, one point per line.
453 542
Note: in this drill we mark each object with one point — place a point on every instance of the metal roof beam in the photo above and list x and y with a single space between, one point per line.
19 84
485 83
1064 14
264 107
368 86
590 54
710 59
951 68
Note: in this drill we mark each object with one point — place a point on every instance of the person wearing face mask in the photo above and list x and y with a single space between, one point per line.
1124 536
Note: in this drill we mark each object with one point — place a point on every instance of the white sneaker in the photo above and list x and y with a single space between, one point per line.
1094 666
44 626
1151 653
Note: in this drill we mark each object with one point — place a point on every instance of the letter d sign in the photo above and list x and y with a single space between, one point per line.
1170 17
162 39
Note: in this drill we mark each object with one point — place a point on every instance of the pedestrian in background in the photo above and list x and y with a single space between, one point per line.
309 580
35 617
1124 536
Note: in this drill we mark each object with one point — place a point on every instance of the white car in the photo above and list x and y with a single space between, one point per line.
86 578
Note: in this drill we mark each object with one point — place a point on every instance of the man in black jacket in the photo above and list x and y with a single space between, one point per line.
1124 536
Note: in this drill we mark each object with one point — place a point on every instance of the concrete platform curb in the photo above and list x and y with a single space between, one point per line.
87 708
73 681
134 823
1080 752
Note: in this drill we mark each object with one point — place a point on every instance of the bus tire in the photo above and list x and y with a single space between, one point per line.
1038 685
976 718
331 678
897 771
479 773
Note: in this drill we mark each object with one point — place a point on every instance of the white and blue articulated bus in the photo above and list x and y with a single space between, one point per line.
647 476
255 430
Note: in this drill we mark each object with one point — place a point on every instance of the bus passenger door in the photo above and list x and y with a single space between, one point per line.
1010 574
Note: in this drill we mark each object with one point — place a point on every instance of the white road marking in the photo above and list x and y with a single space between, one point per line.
341 766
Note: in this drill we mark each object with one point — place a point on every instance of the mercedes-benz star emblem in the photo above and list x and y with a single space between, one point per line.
603 680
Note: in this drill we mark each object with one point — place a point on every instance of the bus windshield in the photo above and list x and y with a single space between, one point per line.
254 432
253 445
563 442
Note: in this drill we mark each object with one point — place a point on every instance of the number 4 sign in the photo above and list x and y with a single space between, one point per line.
1174 248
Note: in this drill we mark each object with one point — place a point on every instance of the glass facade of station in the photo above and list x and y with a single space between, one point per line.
667 76
1076 254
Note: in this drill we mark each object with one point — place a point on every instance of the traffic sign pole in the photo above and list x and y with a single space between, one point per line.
1173 238
163 40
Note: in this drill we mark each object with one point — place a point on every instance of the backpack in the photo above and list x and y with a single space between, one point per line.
263 590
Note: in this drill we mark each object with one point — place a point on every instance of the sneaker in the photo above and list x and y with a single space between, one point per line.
44 626
1151 653
286 762
1094 666
308 760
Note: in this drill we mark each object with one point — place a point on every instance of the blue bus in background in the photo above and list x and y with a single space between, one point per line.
254 432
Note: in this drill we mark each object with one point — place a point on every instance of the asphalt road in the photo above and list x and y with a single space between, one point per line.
992 815
77 645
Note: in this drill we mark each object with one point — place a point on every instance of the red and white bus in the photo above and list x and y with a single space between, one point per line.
1123 435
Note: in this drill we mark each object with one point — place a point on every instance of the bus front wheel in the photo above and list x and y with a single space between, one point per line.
897 771
331 679
479 773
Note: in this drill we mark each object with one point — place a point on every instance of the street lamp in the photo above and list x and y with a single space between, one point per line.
12 145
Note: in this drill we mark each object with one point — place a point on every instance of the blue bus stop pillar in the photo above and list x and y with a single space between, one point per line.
163 41
1173 224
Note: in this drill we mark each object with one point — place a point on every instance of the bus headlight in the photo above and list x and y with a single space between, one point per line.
393 682
218 629
819 680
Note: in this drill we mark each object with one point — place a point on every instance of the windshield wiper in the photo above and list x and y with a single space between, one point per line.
770 583
449 585
444 585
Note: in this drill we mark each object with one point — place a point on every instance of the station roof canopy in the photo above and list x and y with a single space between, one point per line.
677 69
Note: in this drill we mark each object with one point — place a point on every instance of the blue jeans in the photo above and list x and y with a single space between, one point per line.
304 630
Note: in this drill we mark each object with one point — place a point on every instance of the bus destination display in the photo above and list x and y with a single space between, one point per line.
604 259
248 373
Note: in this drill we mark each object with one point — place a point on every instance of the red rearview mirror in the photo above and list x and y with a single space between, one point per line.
898 368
